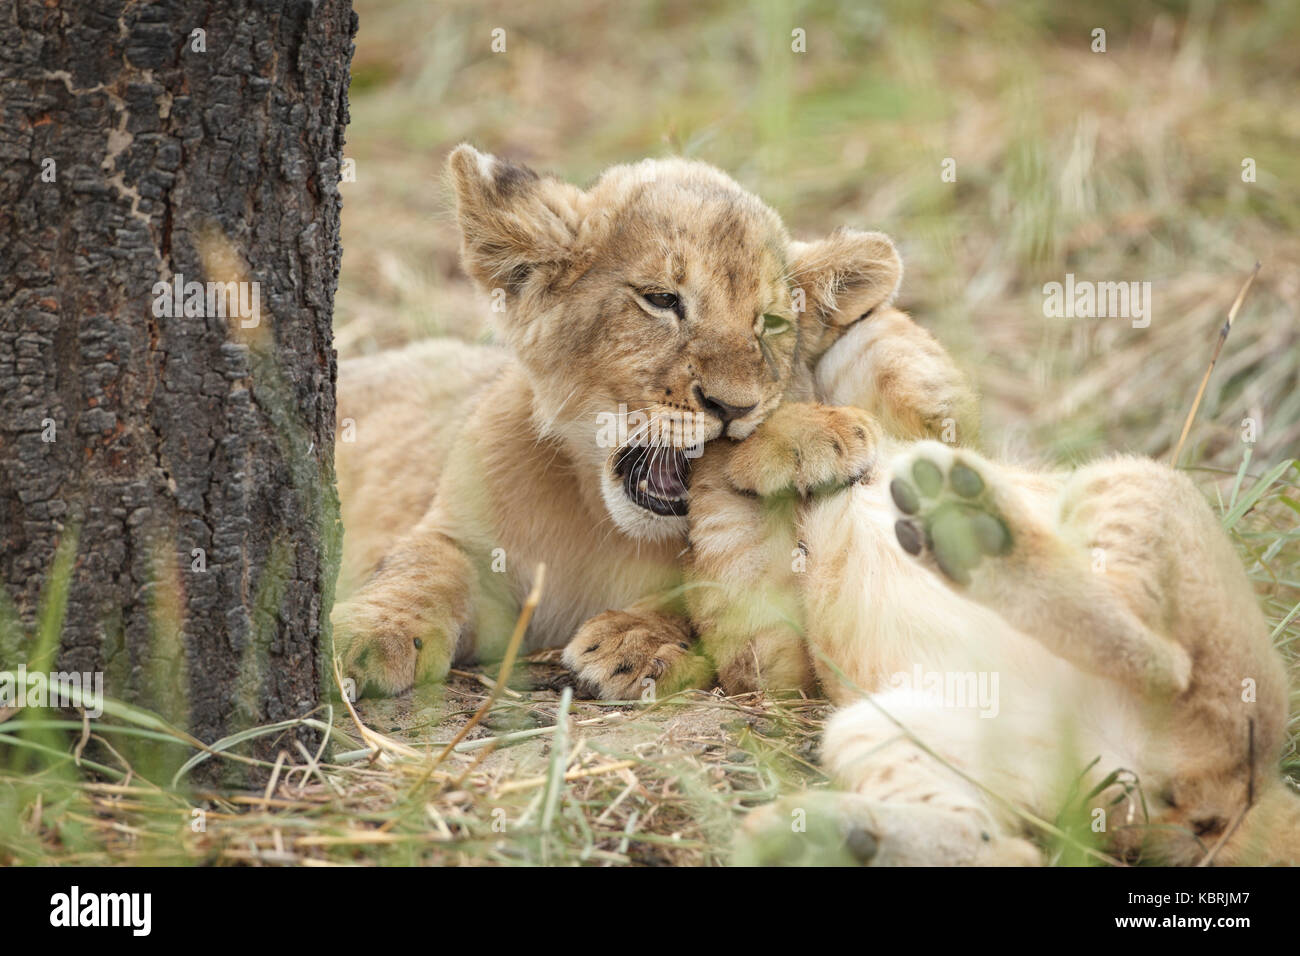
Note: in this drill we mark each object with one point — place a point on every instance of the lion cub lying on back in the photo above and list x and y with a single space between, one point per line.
1105 606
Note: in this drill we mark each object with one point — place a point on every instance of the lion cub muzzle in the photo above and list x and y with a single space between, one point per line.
655 477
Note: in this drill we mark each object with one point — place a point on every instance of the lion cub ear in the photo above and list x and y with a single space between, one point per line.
843 277
514 224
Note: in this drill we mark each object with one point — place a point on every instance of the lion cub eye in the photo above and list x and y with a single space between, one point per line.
660 300
774 325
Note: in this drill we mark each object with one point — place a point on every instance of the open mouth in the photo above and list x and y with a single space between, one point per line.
655 477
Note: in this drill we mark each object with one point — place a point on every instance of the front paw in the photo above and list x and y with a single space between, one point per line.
385 653
623 655
806 447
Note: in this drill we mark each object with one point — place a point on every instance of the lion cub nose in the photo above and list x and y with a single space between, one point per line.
719 409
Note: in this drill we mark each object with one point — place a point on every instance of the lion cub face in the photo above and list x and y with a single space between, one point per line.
661 309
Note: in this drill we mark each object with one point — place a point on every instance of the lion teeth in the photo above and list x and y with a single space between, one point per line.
644 486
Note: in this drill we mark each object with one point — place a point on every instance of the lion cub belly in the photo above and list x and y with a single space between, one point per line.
889 625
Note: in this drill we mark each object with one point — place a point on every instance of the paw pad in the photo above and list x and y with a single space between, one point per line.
909 536
905 497
965 481
928 477
950 516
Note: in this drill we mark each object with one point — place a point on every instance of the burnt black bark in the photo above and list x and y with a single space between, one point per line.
190 454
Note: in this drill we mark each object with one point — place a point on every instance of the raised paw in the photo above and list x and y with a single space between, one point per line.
805 447
948 515
626 655
383 653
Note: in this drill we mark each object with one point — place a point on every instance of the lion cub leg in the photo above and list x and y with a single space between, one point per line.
996 534
743 590
899 805
404 625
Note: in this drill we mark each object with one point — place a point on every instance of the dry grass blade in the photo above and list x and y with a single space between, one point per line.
559 761
274 781
532 782
377 742
1208 859
503 675
487 682
1205 380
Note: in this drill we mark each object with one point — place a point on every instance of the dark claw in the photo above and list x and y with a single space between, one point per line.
861 844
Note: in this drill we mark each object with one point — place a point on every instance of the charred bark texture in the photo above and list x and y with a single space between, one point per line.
192 455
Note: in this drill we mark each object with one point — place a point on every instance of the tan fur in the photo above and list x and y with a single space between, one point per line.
1114 613
457 487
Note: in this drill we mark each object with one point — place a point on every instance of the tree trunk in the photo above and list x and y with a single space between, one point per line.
186 453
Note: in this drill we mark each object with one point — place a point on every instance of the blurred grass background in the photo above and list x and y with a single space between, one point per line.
1116 166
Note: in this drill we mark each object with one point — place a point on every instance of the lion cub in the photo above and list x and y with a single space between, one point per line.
1133 681
640 319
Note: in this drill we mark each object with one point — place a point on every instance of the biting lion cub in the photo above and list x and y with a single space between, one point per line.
659 310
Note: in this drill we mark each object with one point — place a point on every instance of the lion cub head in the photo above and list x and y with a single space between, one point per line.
660 309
